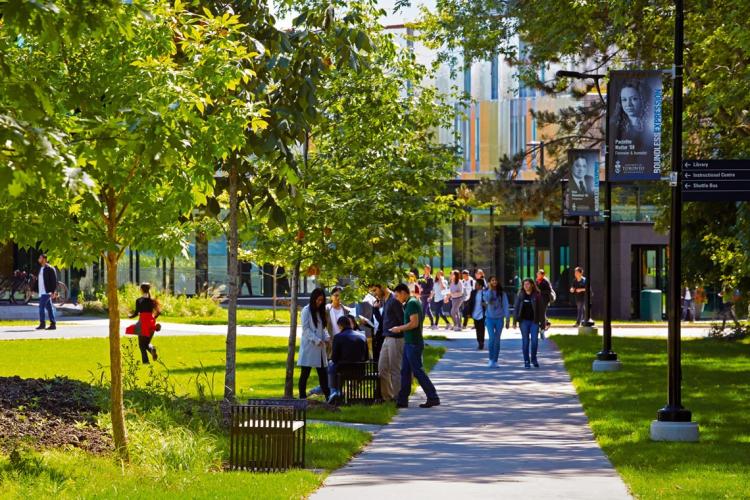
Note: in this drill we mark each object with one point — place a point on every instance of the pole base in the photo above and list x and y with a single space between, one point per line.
587 330
674 431
606 356
674 414
606 366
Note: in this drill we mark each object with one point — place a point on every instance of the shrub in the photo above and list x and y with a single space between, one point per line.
171 305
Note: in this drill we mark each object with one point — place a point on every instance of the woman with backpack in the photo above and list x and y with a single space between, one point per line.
529 314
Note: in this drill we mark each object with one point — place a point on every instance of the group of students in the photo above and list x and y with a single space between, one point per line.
398 343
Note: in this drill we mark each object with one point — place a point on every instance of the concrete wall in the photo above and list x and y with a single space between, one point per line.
624 237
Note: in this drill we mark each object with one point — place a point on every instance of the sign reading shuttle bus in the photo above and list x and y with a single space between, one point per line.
582 190
635 123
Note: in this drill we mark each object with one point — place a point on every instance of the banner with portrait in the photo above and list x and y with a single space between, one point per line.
582 189
635 121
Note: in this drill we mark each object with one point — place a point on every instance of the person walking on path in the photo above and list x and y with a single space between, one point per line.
548 297
528 311
46 287
389 364
728 297
411 364
468 284
476 305
456 290
313 343
579 293
688 311
335 310
147 309
426 286
439 295
498 308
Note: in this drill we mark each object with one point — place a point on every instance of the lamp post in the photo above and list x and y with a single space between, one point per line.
606 359
673 422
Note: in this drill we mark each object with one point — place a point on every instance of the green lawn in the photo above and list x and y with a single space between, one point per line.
175 453
195 365
74 474
18 322
245 317
621 406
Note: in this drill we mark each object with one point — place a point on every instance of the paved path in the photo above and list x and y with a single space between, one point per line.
506 433
92 327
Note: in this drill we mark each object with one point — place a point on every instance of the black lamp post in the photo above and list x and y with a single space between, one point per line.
606 354
674 421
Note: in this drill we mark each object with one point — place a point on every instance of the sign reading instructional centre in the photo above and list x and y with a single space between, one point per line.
582 189
634 115
716 180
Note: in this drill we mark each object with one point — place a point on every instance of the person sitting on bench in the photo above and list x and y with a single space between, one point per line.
349 346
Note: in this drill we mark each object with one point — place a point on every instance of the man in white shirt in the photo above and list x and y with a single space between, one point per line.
46 286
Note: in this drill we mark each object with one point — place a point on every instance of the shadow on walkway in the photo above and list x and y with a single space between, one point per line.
500 433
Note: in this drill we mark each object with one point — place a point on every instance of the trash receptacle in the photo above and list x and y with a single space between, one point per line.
651 305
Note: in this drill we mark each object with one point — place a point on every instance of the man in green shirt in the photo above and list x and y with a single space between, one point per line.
411 364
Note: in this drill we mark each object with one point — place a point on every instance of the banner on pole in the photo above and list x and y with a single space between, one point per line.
582 190
634 113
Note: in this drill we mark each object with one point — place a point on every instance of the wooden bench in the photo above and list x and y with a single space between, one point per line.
268 435
358 383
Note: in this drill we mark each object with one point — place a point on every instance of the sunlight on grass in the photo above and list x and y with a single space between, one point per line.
620 407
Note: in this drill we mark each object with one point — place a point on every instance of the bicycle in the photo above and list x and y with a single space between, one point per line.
26 287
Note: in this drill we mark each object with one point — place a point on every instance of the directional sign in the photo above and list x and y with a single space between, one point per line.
716 180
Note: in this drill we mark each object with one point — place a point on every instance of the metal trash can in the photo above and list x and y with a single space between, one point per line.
651 305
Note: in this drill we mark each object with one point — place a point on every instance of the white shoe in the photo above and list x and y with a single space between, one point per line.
493 364
489 364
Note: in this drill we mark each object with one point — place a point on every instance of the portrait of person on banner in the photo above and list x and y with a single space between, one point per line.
635 125
582 192
633 103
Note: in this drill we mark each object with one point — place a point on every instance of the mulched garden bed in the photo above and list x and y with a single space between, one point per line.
50 413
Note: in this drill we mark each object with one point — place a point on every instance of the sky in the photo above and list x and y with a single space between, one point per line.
407 14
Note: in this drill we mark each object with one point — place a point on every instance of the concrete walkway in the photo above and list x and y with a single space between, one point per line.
72 327
505 433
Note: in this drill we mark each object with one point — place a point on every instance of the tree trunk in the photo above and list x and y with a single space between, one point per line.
275 289
119 432
230 378
292 347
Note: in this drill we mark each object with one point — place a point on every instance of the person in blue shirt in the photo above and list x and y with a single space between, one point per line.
349 346
498 308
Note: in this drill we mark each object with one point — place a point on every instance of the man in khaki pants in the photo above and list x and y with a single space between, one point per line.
392 352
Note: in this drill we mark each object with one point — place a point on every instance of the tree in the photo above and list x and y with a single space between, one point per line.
292 64
368 200
597 36
129 107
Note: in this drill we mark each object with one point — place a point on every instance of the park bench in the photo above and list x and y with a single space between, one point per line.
268 435
358 383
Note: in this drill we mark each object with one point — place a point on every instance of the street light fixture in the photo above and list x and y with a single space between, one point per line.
606 359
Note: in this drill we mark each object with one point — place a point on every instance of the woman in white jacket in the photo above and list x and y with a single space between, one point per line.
312 347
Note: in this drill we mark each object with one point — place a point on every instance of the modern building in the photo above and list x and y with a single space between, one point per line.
499 121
